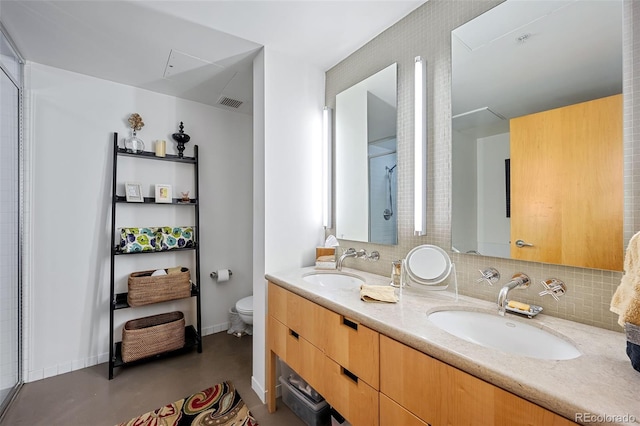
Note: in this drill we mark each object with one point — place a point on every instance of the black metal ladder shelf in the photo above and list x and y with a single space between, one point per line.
118 301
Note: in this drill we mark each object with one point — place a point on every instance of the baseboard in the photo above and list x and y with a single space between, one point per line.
78 364
258 390
262 394
217 328
65 367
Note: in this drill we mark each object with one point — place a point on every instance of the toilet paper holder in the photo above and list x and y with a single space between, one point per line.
214 274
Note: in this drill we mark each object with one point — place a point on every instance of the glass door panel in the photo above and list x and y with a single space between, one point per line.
10 352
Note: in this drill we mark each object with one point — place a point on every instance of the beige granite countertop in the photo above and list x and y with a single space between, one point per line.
601 384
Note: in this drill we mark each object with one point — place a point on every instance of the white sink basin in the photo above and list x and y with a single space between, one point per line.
333 279
504 333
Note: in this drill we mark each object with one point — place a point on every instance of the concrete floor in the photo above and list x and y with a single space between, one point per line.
87 398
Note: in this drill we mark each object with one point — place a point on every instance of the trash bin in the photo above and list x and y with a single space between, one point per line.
237 326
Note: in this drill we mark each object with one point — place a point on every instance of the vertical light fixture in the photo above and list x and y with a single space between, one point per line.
420 148
326 166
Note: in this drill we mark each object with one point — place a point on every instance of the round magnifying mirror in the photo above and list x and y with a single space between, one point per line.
428 264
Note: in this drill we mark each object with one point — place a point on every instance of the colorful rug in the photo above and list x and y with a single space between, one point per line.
219 405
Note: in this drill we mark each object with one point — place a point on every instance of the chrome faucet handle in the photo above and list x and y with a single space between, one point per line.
362 253
490 275
521 279
350 250
554 287
374 256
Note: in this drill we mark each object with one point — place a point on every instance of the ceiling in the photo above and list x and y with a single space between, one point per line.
523 57
197 50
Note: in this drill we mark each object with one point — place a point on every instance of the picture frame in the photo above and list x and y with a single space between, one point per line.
133 192
163 193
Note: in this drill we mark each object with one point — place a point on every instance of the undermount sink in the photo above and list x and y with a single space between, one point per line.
504 333
333 279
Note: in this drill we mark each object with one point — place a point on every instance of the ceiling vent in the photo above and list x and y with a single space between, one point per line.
233 103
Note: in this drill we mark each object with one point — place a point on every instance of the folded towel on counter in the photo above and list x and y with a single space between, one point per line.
378 293
626 299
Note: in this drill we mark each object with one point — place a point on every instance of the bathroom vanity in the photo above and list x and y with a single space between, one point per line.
388 364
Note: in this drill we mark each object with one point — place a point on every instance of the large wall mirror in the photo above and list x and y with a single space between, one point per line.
366 160
537 133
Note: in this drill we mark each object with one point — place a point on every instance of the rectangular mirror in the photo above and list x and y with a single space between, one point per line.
366 160
537 133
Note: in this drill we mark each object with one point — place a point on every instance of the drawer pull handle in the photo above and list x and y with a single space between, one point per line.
350 323
294 334
349 374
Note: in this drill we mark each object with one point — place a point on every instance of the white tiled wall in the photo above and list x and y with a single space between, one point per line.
382 230
426 32
9 249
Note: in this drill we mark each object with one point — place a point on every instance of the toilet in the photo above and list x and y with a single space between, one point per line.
244 307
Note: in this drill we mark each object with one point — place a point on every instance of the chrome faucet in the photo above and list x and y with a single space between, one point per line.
519 280
347 253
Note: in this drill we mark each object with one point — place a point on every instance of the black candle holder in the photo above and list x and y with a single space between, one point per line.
182 138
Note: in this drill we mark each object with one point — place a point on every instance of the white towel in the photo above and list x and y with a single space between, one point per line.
626 299
378 293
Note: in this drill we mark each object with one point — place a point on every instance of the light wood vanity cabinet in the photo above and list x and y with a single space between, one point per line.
440 394
393 414
373 380
350 395
300 354
304 317
335 355
353 346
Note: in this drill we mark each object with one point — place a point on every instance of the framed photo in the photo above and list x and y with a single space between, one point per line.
133 192
163 193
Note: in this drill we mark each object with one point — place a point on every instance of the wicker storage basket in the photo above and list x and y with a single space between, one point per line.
145 289
148 336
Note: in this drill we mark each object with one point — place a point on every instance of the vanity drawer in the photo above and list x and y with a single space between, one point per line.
440 394
510 409
277 302
303 357
391 414
277 336
350 396
353 346
310 359
421 384
296 312
308 318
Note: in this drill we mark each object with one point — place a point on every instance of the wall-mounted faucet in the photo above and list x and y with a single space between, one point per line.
351 252
362 254
519 280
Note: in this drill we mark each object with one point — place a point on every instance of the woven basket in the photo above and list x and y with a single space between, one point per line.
145 289
148 336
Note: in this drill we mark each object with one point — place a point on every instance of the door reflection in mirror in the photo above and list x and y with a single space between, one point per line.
518 60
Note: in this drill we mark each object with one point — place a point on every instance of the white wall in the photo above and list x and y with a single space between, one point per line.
352 164
464 222
71 119
494 227
291 95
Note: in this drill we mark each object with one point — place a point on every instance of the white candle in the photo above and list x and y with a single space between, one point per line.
161 147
